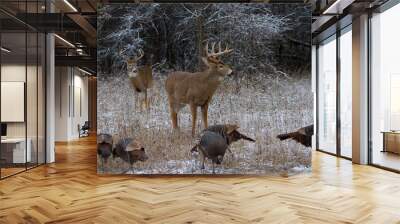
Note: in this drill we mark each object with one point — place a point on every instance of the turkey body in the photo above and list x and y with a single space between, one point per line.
130 151
302 135
104 147
213 146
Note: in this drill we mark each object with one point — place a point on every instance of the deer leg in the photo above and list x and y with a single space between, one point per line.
136 101
174 116
142 102
193 109
204 111
213 167
146 102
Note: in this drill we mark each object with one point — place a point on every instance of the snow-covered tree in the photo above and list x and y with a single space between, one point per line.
260 34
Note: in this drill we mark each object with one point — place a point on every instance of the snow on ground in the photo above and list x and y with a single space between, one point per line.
263 106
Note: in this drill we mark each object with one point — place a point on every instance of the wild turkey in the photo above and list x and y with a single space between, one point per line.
130 151
213 146
302 135
215 141
104 147
229 132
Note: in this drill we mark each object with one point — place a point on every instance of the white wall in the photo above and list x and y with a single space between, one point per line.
70 83
61 103
13 101
33 127
9 73
80 109
17 73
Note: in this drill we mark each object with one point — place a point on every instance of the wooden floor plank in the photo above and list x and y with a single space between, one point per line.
70 191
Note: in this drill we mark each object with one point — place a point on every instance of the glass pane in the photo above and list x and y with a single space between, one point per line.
13 87
327 96
23 90
31 98
386 89
41 99
346 94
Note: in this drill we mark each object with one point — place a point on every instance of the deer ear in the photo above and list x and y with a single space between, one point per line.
213 60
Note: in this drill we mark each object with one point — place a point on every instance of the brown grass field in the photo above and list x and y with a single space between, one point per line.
263 106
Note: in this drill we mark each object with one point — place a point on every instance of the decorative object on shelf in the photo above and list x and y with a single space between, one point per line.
391 141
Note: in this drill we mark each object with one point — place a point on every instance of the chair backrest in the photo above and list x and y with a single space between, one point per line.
86 125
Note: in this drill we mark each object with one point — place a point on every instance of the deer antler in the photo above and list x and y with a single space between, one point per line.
141 54
220 51
121 52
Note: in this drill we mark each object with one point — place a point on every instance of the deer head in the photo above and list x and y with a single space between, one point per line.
212 59
131 63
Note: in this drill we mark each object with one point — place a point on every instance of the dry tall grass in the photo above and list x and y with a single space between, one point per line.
263 106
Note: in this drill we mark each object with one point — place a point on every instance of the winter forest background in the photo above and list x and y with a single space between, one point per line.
268 93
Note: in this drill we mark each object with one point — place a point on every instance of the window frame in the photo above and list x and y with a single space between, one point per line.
337 34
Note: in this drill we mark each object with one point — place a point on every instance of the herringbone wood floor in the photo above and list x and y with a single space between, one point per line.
70 191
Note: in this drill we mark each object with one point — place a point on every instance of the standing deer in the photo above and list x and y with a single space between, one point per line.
196 89
141 77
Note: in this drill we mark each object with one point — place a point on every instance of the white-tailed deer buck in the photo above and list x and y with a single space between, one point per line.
141 77
196 89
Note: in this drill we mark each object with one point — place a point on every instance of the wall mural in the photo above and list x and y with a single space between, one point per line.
204 88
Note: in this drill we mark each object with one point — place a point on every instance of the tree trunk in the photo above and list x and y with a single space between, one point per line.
200 39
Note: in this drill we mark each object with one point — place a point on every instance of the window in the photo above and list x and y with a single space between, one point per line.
346 75
22 77
385 89
334 106
327 95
